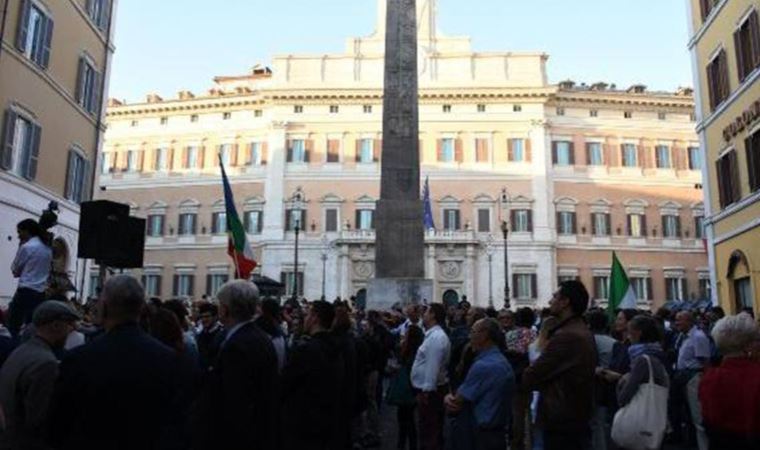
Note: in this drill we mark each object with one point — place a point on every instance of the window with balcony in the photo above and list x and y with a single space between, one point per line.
365 219
214 282
219 223
747 45
152 284
155 225
133 158
642 287
525 285
727 171
563 153
637 225
516 150
717 80
662 156
295 218
331 220
366 149
447 153
255 154
297 151
77 177
289 280
161 164
671 226
601 287
566 223
482 151
184 285
35 34
20 145
676 289
484 220
595 154
695 158
187 224
226 154
253 222
699 227
451 220
522 220
601 224
629 155
333 151
191 157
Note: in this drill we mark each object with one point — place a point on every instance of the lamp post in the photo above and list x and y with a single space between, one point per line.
325 250
296 228
505 235
489 252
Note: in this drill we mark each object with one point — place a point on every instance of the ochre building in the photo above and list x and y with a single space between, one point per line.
575 170
54 65
725 46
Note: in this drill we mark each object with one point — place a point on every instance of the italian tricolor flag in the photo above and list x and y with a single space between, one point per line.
621 294
238 247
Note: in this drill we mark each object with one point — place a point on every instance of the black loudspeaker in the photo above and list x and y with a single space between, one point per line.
98 221
130 245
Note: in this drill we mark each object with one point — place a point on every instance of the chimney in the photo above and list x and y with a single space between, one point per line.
637 89
599 86
185 95
154 98
567 85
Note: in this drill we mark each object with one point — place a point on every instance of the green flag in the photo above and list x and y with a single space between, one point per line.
621 295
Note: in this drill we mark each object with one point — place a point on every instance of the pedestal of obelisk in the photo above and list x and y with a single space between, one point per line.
400 244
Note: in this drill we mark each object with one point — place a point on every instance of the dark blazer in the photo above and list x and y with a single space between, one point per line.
564 374
118 392
239 401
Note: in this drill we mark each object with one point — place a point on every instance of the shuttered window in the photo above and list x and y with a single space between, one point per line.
747 46
20 149
35 33
77 177
717 80
727 171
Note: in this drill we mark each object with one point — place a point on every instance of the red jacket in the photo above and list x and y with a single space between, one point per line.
730 398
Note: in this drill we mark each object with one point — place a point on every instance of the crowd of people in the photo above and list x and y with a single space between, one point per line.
243 372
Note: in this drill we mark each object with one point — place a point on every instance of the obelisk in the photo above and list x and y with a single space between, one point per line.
400 244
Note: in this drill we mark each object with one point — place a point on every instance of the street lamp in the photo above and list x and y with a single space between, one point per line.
297 208
325 251
489 252
505 235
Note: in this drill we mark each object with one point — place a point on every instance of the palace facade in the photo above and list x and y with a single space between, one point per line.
576 171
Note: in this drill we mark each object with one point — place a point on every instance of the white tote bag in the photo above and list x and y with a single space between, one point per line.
641 424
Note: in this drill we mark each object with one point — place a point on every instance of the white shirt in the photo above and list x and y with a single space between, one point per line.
694 350
401 330
430 365
32 265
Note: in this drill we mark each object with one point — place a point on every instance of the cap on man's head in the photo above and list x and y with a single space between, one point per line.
52 310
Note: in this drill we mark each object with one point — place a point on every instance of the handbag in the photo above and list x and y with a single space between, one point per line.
641 424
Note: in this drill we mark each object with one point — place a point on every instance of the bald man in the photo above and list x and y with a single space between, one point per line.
693 355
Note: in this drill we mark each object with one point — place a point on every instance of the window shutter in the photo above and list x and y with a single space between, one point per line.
705 7
572 153
175 285
533 285
575 223
331 220
512 217
530 220
608 151
372 220
725 87
159 281
290 152
194 221
192 285
141 162
302 224
685 288
6 147
309 144
288 226
664 223
650 294
712 84
87 181
201 155
439 149
588 154
67 189
458 151
609 224
377 146
234 156
734 176
23 24
559 222
484 220
208 284
678 226
596 288
644 231
357 219
741 65
33 153
554 152
594 228
80 81
754 30
260 222
458 220
528 150
630 228
264 153
44 58
723 194
516 288
510 150
641 156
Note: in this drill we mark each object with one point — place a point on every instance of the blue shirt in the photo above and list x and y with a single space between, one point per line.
489 388
32 265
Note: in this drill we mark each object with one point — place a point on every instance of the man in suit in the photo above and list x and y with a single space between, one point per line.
29 374
118 392
238 406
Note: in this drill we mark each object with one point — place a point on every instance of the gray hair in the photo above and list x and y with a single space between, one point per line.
733 334
240 297
124 297
492 329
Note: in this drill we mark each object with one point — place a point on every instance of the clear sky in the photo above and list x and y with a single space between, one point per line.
165 46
